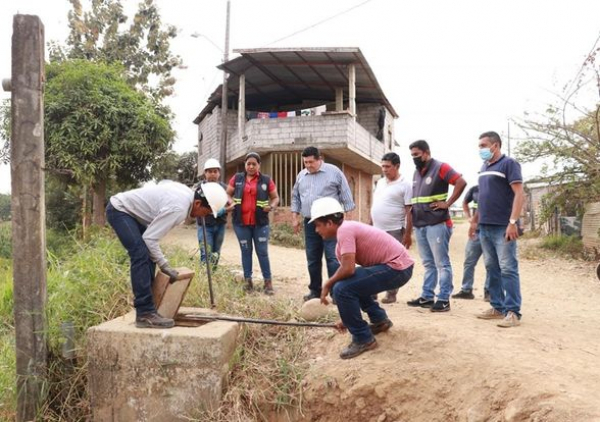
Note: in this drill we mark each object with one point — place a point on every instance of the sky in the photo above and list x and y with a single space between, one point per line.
451 69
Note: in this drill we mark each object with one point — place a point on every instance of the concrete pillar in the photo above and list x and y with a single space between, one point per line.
352 89
157 375
242 107
28 211
339 99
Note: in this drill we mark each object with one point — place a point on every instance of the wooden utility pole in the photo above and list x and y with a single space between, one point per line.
28 211
223 154
508 136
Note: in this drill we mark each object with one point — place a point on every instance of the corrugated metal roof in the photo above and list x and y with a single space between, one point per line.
286 78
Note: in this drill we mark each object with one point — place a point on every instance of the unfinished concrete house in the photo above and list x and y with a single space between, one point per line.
282 100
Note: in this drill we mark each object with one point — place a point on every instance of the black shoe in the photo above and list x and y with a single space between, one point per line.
464 294
312 294
355 349
486 295
153 320
423 303
381 326
441 306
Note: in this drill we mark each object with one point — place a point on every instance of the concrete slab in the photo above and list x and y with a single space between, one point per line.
157 375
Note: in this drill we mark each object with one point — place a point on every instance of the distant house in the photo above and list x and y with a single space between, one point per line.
285 99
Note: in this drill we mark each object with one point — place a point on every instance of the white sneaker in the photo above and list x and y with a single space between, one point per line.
510 320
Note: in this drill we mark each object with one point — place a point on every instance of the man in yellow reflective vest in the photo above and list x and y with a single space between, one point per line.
433 225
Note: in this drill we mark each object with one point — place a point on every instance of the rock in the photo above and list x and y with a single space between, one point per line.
382 417
360 403
476 414
313 309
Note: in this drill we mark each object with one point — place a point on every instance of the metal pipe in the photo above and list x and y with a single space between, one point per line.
254 321
208 264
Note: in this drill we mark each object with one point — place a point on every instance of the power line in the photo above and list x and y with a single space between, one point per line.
319 23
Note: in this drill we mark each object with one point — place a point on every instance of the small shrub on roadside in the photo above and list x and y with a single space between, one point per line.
571 246
5 240
283 234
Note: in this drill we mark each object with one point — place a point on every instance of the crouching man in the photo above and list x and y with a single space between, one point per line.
384 265
140 218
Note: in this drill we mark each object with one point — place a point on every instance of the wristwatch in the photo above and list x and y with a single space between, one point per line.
512 221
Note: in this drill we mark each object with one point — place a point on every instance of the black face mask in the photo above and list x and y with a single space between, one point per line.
419 163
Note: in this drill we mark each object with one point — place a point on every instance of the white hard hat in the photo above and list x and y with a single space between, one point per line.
324 206
215 196
211 163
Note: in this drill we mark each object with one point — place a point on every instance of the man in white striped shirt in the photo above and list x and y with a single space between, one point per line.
318 180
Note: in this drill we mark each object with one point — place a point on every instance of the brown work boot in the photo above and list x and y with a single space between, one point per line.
269 288
355 349
153 320
249 285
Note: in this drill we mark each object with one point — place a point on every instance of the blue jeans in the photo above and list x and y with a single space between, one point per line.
473 252
142 269
434 242
315 247
502 267
259 236
354 294
215 235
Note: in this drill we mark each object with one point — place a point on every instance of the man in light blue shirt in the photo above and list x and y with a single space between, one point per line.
318 180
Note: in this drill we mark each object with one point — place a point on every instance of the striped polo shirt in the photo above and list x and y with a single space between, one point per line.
328 181
495 192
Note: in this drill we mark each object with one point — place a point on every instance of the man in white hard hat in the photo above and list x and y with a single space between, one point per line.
384 265
215 225
140 218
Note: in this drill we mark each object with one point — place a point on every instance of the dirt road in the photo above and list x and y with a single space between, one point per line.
453 366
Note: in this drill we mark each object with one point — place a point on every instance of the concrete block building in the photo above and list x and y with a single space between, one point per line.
282 100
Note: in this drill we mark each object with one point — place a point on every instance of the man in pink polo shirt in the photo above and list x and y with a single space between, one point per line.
384 264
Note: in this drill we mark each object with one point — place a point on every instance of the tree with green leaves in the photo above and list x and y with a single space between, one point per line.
571 155
98 128
182 168
142 44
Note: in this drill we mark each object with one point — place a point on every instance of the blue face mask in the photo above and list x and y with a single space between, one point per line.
485 154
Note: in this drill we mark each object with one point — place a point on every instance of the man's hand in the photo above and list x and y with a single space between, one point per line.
439 205
407 240
324 292
296 226
339 325
166 269
512 232
472 230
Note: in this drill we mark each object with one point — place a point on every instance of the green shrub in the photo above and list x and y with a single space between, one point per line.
283 234
5 240
571 246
